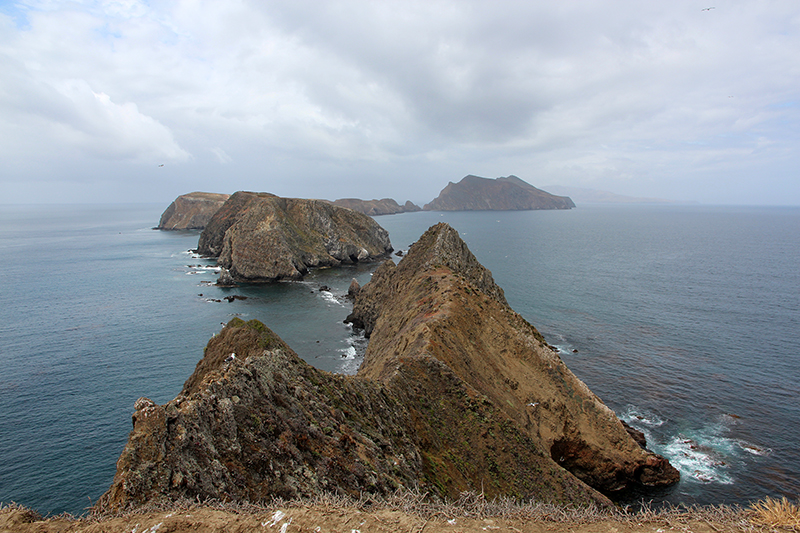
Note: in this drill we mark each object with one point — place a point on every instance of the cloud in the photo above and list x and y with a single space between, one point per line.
369 95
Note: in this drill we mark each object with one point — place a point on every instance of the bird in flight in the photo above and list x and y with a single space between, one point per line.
161 165
707 9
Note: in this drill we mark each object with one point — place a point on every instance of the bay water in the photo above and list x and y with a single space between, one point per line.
683 319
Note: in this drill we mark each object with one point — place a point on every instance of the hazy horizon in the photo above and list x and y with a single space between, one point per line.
105 101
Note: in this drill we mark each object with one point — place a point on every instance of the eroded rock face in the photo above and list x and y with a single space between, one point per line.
191 211
254 422
259 237
440 303
474 193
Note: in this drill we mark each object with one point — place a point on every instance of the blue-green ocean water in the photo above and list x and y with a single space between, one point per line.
684 320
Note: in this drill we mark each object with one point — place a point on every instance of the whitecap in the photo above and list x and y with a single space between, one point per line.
638 417
701 458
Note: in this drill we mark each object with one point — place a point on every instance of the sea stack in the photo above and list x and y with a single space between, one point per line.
474 193
191 211
260 237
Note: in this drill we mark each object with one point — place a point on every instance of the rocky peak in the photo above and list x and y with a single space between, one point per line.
191 211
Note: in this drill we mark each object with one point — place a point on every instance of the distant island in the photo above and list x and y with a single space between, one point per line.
385 206
191 211
474 193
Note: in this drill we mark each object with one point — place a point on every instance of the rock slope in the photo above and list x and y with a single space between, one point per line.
191 211
456 393
255 422
260 237
474 193
439 304
386 206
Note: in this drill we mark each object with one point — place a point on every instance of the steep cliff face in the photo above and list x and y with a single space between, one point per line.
191 211
386 206
254 422
261 237
440 303
474 193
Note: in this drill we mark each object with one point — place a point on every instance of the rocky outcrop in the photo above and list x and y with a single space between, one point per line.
457 393
386 206
260 237
255 422
191 211
440 304
473 193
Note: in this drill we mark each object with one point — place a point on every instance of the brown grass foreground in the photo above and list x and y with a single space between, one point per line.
408 512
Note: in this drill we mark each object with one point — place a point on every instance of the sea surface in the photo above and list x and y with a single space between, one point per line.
684 319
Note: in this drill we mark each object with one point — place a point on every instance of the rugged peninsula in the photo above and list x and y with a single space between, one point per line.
260 237
385 206
456 393
474 193
191 211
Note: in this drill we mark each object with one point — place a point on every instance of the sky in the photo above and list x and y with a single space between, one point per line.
141 101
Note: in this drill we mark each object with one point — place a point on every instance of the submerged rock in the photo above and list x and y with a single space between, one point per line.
260 237
191 211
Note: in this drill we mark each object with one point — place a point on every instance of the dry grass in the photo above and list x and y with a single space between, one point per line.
776 514
470 505
766 515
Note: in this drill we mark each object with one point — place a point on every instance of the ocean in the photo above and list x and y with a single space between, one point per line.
683 319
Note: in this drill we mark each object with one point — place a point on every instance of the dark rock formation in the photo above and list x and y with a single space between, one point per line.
473 193
254 422
191 211
259 237
386 206
456 393
440 303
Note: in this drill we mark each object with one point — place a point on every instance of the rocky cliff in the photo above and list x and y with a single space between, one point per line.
474 193
255 422
386 206
456 393
439 304
260 237
191 211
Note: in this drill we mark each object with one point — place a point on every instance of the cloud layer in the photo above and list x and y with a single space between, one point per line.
375 99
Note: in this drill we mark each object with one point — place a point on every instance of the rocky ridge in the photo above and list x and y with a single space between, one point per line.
191 211
474 193
385 206
456 393
260 237
439 304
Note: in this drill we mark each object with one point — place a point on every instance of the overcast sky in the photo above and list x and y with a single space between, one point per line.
657 98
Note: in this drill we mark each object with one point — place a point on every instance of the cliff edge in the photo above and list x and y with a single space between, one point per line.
474 193
191 211
260 237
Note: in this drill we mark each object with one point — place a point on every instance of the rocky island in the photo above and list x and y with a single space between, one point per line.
191 211
260 237
386 206
457 393
474 193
